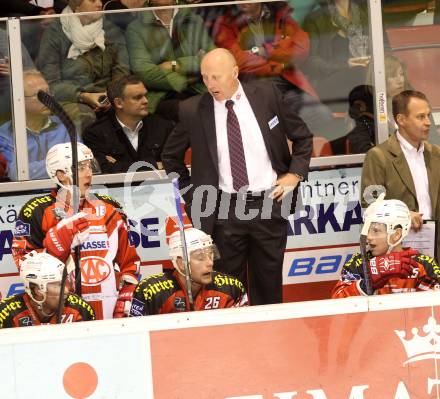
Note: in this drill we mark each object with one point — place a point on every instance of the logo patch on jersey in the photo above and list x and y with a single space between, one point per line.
94 270
22 229
100 210
25 321
179 304
348 276
137 308
131 239
97 229
95 242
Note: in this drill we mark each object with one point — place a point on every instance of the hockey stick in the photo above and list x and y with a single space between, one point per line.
363 244
180 223
58 110
363 248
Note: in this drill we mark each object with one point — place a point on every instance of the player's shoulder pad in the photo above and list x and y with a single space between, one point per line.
109 200
10 305
76 302
429 263
34 206
11 299
155 285
115 204
225 283
354 261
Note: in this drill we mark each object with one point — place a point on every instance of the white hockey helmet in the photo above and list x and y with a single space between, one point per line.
40 268
59 157
195 239
392 213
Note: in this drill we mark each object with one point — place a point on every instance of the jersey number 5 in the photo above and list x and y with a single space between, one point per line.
212 302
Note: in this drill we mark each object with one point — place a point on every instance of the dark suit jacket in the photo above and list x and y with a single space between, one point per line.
106 137
197 130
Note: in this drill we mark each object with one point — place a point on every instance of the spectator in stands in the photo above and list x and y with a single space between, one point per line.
406 165
396 80
209 289
3 171
437 12
5 78
42 275
339 50
79 56
267 43
209 14
43 130
122 20
165 48
19 8
127 134
391 267
31 30
361 109
302 8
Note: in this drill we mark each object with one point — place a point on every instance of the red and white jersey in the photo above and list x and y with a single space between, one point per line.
352 282
106 255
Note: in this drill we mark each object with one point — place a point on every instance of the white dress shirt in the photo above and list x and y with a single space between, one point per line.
132 135
417 166
169 27
259 168
42 3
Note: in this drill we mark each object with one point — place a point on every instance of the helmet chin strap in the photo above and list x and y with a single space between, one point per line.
392 246
40 304
180 271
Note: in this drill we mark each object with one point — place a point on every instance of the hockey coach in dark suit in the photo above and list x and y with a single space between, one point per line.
244 179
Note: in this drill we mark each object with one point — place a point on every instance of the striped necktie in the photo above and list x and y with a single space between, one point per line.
236 150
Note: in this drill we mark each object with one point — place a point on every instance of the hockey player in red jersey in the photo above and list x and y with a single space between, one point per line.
166 293
42 275
109 263
391 267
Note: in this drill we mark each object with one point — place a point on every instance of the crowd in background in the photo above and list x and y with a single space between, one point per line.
317 53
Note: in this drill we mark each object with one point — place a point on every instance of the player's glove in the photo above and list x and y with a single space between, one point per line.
67 234
123 304
395 264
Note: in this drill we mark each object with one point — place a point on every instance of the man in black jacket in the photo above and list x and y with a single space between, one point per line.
244 179
127 134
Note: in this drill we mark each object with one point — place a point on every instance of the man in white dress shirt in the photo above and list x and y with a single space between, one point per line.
127 133
406 165
240 163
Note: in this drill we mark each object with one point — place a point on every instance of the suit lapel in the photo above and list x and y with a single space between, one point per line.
208 121
433 177
123 137
260 111
131 150
401 165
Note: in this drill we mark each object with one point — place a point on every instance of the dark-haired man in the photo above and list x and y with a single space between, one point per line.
127 134
406 164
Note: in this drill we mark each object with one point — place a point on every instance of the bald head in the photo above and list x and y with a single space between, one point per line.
219 55
33 82
220 73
